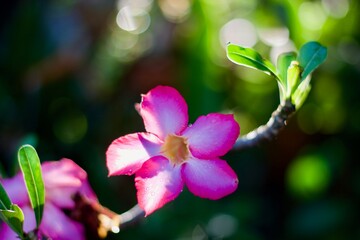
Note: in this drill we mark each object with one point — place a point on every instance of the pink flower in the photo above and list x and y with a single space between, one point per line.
172 154
62 179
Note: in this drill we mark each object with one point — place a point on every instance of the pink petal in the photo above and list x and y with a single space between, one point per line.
126 154
15 188
157 183
29 218
63 179
212 135
87 192
63 173
211 179
7 233
56 225
164 111
61 197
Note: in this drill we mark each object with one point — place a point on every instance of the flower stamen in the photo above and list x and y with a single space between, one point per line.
176 149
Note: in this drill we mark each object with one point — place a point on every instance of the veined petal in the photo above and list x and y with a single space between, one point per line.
212 135
211 179
164 111
126 154
157 183
56 225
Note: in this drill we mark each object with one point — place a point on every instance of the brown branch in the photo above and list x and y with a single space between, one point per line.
268 131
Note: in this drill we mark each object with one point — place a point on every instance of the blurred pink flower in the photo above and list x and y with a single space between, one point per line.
171 153
62 179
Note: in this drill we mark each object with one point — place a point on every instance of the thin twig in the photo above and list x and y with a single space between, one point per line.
268 131
110 221
131 216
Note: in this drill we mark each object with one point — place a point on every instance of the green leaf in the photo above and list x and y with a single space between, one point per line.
283 62
301 93
5 202
311 55
250 58
293 78
14 218
11 214
31 169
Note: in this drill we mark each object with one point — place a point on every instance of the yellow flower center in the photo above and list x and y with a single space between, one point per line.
176 149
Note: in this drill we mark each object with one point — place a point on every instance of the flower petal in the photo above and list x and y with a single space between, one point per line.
212 135
62 173
56 225
62 180
164 111
157 183
126 154
16 189
211 179
7 233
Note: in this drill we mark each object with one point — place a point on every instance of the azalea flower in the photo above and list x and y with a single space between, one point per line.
171 153
62 179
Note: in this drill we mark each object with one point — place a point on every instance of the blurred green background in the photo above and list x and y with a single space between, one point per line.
72 70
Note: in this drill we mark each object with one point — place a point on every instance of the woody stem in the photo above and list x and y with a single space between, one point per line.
268 131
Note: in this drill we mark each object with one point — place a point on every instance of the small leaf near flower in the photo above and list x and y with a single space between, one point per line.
283 62
311 55
14 218
250 58
293 78
30 166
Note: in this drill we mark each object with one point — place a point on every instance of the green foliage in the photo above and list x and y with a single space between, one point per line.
10 213
250 58
283 63
311 55
301 93
14 217
293 78
292 73
5 201
30 166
